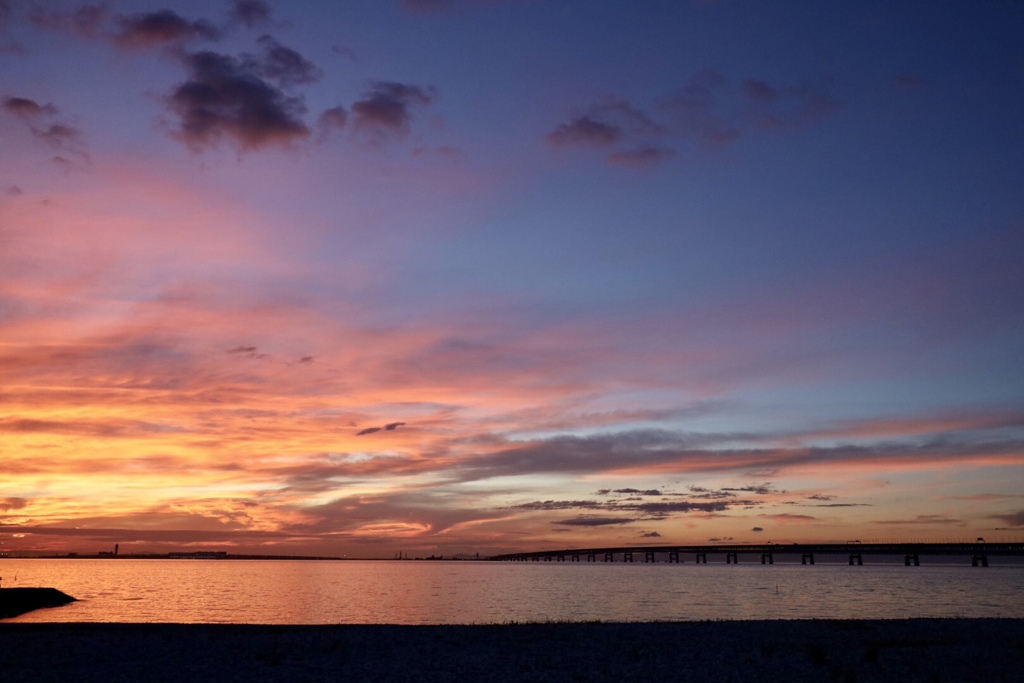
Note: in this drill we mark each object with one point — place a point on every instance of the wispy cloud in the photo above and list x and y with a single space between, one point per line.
250 13
709 109
162 27
584 130
385 109
46 126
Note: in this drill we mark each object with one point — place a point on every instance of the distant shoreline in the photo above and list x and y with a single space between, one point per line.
749 559
168 556
796 650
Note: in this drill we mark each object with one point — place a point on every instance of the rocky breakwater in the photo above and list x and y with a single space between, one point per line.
15 601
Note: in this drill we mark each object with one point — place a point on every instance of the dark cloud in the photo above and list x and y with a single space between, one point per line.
719 539
283 64
758 529
585 131
558 505
841 505
820 496
761 490
646 156
787 517
609 123
921 519
13 191
688 452
248 352
250 13
786 108
40 121
306 359
580 454
8 504
58 135
650 534
389 427
243 349
586 520
84 21
666 508
629 118
702 493
24 108
647 492
226 97
66 163
713 112
162 27
651 510
386 108
1011 519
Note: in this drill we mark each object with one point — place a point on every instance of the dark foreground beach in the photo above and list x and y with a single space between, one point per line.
912 650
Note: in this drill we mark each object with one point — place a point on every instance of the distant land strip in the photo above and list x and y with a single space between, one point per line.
199 555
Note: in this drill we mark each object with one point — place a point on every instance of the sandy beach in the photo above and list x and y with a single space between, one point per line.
905 650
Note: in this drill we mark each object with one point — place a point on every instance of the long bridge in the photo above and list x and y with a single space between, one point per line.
855 551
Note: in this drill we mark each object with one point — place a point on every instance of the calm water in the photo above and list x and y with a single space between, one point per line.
370 592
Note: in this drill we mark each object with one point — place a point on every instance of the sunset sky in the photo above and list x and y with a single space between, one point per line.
364 277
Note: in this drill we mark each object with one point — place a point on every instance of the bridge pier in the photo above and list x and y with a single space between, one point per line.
807 558
591 557
979 560
627 556
702 558
536 559
732 558
911 557
856 556
766 558
673 556
609 556
649 556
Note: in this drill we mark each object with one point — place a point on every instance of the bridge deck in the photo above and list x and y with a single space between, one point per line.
978 549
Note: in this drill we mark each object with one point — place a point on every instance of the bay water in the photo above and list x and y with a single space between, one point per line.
466 592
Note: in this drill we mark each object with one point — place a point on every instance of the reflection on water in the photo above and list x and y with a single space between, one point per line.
371 592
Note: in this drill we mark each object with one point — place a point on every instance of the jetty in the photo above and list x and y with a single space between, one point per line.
15 601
